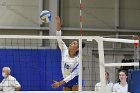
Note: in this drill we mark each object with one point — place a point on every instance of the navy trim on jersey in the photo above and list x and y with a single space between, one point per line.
75 68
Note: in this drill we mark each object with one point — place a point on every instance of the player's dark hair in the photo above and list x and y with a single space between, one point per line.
83 45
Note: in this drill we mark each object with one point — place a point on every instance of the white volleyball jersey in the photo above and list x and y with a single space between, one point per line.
69 65
109 86
118 88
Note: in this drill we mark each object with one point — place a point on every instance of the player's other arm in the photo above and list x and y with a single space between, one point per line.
67 79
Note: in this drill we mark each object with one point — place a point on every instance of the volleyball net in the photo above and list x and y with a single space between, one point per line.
35 61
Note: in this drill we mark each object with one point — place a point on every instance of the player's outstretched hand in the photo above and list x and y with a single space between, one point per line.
57 18
56 84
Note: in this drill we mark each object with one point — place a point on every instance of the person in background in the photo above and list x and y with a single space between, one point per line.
122 85
109 84
9 83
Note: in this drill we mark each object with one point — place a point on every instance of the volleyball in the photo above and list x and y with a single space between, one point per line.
45 16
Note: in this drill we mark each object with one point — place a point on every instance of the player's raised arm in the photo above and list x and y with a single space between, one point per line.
58 23
61 44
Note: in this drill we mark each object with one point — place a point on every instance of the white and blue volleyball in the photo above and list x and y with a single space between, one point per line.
45 16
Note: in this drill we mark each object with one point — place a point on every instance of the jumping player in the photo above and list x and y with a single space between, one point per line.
70 63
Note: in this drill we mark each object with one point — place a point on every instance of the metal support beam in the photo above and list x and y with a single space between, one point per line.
61 11
40 2
22 28
101 63
117 14
54 8
100 30
80 65
40 8
68 29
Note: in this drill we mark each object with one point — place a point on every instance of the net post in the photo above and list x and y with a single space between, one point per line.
80 65
136 51
101 62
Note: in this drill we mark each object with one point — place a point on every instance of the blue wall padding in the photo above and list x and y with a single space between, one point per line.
35 69
133 81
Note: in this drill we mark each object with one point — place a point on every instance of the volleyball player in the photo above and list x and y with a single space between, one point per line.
122 85
70 63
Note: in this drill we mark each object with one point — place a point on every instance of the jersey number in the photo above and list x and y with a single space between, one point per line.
67 66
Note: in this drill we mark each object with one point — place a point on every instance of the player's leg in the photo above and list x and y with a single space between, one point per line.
67 86
71 85
75 88
75 84
66 89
